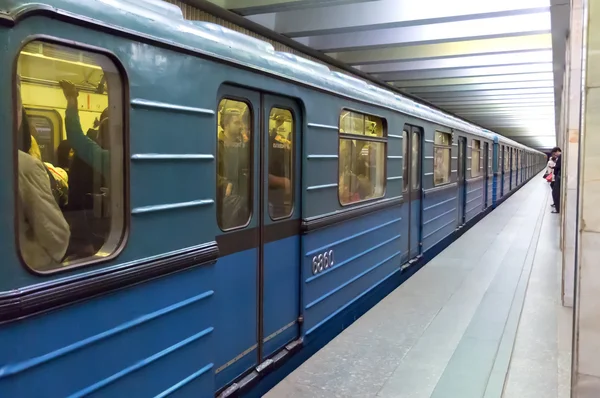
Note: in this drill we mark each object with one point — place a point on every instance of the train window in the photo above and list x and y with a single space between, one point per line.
475 156
234 157
361 157
442 147
71 186
506 159
514 159
281 144
415 159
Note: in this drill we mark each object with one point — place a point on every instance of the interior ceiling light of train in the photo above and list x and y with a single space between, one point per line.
490 62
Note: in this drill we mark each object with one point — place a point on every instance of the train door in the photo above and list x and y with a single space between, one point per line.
462 183
413 193
486 165
258 210
279 271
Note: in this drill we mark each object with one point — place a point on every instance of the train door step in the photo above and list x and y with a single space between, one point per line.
265 367
412 262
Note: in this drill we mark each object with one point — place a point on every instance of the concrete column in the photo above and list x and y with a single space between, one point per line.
570 147
586 347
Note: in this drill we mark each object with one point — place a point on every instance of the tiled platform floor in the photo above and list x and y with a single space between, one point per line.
483 319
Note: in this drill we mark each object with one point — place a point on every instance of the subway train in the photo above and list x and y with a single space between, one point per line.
239 206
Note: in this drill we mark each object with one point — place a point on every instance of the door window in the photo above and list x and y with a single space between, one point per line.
415 160
405 159
475 155
234 157
281 181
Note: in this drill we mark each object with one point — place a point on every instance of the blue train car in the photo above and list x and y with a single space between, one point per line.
188 212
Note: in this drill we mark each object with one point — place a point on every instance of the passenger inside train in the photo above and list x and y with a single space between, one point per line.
234 203
43 231
280 163
362 156
85 172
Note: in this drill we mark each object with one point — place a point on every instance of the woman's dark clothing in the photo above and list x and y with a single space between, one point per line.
556 187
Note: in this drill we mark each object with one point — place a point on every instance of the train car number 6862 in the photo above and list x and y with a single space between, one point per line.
322 262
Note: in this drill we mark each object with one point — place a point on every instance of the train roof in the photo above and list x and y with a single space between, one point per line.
163 22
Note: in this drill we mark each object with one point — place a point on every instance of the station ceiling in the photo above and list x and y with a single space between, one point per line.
499 64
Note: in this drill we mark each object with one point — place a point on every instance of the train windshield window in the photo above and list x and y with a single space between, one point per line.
475 156
362 149
281 150
442 146
71 200
234 184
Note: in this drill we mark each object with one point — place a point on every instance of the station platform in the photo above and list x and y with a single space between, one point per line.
482 319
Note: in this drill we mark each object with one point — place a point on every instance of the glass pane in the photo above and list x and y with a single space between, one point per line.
441 165
281 144
352 123
374 126
42 132
357 123
405 160
75 211
416 160
234 188
443 138
362 170
475 155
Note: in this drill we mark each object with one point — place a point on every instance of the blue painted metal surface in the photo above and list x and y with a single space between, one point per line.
363 258
117 343
439 214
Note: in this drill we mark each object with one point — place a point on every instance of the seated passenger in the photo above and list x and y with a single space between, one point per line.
59 180
43 231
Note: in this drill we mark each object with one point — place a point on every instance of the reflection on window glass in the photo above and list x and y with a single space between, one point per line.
362 144
506 159
475 156
441 158
281 144
359 124
361 170
405 160
71 199
416 160
514 159
234 188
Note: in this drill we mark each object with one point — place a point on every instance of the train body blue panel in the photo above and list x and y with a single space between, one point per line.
235 315
282 293
119 342
363 258
184 308
475 193
439 214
